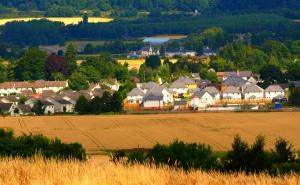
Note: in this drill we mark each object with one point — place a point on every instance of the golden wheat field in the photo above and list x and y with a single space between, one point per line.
65 20
103 172
107 132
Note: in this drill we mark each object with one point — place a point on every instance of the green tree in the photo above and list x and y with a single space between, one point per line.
38 108
153 61
3 73
32 65
283 151
57 76
82 105
294 97
70 56
78 81
90 72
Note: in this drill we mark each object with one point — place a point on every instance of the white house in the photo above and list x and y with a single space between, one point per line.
182 85
62 105
157 97
201 99
7 108
274 91
214 92
136 95
49 107
253 92
182 53
232 93
8 88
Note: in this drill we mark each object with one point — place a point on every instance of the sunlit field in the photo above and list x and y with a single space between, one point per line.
102 171
65 20
111 132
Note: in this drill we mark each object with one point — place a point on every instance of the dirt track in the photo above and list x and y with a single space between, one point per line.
132 131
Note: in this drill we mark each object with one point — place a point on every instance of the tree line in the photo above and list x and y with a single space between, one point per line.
242 157
43 32
69 8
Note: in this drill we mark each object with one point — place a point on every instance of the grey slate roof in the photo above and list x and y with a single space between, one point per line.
235 81
155 93
177 84
25 108
63 101
200 93
136 92
252 88
274 88
4 107
149 85
231 89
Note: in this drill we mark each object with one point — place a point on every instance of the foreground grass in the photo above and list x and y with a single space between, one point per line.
102 171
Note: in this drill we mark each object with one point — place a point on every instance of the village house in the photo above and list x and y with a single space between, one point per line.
182 53
24 110
7 108
158 97
238 82
49 107
8 88
246 75
110 84
136 95
232 93
61 105
253 92
182 85
147 86
274 91
147 51
214 92
201 99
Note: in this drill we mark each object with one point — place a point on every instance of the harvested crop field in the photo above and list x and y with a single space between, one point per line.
101 171
98 133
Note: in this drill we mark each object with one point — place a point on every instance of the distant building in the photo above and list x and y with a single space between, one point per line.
274 91
181 53
40 86
156 41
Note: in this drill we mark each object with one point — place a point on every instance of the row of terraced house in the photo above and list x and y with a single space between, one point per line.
236 88
55 96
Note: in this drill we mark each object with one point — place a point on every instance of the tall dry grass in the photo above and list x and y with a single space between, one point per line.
103 172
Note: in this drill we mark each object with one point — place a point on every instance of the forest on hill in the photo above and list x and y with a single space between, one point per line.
130 7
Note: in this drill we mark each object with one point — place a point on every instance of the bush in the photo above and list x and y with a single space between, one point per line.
30 145
137 156
182 155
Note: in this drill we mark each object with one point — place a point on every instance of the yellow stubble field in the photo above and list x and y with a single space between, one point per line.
109 132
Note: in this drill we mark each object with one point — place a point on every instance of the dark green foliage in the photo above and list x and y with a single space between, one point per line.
294 97
153 61
186 156
38 108
29 145
78 81
82 105
32 66
237 157
283 151
105 104
34 33
271 73
136 156
70 57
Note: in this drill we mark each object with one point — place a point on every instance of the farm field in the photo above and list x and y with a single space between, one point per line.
102 171
65 20
98 133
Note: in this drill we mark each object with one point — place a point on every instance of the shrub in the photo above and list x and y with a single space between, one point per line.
30 145
137 156
181 155
283 151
